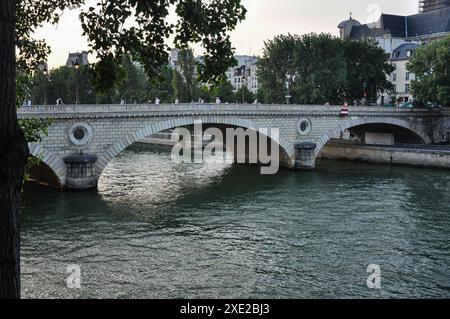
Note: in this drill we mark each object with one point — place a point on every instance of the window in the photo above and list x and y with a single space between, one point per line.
407 76
394 88
394 77
407 88
409 53
397 54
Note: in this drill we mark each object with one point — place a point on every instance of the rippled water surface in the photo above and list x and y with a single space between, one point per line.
156 229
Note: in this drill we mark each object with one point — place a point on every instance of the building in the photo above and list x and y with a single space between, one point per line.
400 36
431 5
77 57
391 31
173 58
245 73
401 78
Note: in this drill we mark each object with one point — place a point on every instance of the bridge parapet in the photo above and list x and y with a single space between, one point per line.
130 110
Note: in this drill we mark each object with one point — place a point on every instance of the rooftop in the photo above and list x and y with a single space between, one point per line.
404 51
418 25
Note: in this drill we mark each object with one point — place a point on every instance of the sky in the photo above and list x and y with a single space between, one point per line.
265 19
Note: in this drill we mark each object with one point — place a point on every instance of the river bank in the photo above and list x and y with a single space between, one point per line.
409 155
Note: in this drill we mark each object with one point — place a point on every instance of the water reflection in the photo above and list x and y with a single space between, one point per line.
159 229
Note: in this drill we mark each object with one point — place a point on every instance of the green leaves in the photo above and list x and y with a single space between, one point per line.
430 64
319 68
35 129
367 70
204 22
31 15
312 65
140 28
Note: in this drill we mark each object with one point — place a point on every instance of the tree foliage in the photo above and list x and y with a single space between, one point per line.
203 22
244 95
224 91
105 24
367 70
319 68
185 84
61 84
431 67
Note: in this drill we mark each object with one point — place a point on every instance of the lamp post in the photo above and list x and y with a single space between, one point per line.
243 88
45 72
365 93
77 67
288 82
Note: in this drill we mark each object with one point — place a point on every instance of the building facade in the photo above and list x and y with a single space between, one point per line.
77 57
431 5
244 74
401 78
399 36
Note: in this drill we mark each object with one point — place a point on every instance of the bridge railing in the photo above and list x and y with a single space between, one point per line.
196 107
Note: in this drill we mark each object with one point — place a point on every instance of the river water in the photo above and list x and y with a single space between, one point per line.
157 229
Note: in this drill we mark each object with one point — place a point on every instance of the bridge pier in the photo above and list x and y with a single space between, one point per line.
305 159
80 172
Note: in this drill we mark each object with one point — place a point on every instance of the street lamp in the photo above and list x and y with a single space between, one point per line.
45 72
365 93
77 67
288 82
244 84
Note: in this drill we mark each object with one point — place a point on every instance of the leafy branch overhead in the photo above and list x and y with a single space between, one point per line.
204 22
140 28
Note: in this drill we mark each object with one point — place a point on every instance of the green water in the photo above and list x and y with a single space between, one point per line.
156 229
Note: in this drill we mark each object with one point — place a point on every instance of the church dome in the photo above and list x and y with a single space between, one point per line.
350 21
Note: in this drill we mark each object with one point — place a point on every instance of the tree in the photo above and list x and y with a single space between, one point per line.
312 65
244 95
430 64
367 70
134 87
206 94
319 68
185 84
224 91
104 24
162 87
60 83
273 67
14 151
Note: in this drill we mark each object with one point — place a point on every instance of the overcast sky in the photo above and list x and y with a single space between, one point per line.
265 19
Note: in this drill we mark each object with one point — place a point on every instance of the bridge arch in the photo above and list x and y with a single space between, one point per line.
54 163
345 125
130 139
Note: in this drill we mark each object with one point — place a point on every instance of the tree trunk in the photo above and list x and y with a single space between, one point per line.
13 154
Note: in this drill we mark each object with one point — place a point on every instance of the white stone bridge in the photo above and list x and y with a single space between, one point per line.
106 130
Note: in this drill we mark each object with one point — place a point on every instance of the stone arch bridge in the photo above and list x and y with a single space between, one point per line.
104 131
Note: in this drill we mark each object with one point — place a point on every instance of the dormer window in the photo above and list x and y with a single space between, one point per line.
397 54
409 53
